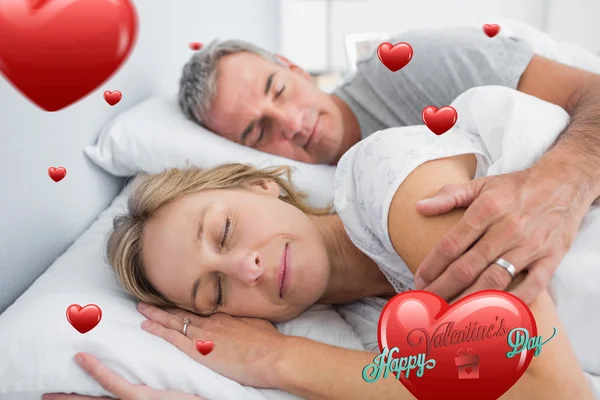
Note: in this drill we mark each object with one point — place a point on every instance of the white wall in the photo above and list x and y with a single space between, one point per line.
39 219
303 21
575 21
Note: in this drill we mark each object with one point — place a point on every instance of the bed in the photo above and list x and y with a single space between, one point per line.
63 225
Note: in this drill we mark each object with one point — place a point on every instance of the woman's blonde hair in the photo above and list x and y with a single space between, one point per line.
149 193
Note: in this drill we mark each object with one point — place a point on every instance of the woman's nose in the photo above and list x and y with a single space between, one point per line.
247 268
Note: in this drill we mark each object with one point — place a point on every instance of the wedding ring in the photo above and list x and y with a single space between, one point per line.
185 325
507 266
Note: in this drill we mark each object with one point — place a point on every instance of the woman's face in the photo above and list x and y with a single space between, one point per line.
242 252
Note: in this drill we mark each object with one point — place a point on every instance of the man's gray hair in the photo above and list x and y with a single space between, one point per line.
198 83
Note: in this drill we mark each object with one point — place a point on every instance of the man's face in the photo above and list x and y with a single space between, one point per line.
275 109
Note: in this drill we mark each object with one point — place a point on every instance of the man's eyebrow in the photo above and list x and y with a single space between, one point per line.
251 124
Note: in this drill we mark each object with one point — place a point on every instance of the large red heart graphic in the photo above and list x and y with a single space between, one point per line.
439 121
468 341
395 57
57 51
84 319
491 29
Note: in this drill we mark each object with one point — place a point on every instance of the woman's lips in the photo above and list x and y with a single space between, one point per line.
283 270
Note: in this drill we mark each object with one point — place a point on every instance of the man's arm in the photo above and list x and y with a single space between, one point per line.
577 151
529 218
555 373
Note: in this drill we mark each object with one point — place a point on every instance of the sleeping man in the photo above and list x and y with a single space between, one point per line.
526 220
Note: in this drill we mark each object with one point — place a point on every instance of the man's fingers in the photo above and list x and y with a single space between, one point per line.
452 196
497 277
536 280
108 379
451 246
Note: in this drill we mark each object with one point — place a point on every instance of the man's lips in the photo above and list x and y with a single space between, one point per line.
312 133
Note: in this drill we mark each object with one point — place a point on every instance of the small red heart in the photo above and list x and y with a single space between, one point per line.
204 347
82 44
196 45
491 29
475 329
112 98
440 120
395 57
57 174
84 319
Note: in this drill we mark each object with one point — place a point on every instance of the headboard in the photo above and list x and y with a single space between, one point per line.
39 218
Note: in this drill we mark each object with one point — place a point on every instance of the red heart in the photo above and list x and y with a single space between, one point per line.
394 57
419 322
204 347
439 121
57 174
112 98
491 29
57 51
84 319
196 45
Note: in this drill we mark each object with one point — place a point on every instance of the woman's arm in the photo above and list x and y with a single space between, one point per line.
555 373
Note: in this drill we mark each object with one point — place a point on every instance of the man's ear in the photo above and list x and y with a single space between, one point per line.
264 186
293 67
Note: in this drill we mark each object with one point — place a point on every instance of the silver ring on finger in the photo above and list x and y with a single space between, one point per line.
186 322
507 266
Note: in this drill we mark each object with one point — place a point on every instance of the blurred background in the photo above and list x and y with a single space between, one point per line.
324 36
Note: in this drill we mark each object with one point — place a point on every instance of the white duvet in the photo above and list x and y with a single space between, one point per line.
37 344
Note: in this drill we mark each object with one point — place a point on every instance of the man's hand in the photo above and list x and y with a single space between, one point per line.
529 218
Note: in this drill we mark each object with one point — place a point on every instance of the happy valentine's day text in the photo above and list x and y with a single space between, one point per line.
384 363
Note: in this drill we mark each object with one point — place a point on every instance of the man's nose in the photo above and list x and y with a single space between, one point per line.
290 122
247 268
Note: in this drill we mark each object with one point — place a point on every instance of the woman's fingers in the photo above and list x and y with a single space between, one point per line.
168 319
107 378
177 339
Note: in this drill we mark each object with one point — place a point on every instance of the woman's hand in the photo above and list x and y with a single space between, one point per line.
245 349
116 385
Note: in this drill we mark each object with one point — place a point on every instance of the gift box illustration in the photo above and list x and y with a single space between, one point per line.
467 364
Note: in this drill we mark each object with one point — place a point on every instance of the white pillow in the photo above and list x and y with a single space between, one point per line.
37 343
155 134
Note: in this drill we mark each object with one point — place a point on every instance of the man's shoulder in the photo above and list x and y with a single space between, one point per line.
457 40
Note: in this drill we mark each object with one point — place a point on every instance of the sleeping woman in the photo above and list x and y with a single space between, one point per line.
230 250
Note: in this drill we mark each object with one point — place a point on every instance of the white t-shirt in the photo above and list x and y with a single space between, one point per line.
369 174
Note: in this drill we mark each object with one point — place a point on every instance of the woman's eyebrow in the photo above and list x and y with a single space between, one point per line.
201 222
